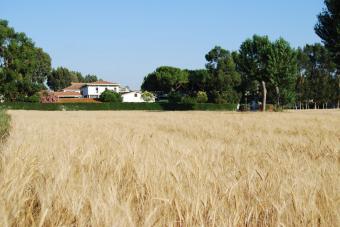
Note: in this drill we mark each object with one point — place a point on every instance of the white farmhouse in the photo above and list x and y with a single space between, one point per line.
133 96
95 89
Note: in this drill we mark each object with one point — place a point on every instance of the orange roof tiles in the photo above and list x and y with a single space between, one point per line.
74 86
67 94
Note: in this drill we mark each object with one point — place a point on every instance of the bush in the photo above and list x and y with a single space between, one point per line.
174 97
148 96
202 97
188 100
34 98
224 97
110 96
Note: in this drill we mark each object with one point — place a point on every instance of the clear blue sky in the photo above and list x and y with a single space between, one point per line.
122 41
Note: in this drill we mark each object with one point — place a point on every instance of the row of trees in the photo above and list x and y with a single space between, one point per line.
25 68
62 77
271 71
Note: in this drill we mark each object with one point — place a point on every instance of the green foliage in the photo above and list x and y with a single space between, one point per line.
317 81
223 75
328 28
89 79
34 98
23 66
117 106
148 96
202 97
188 99
274 63
283 71
110 96
61 78
198 80
174 97
165 79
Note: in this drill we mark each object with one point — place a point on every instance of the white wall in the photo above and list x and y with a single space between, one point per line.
130 97
92 91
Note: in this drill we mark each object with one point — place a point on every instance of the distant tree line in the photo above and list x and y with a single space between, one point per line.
62 77
262 70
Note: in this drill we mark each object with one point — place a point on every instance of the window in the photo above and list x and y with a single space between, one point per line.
136 95
96 89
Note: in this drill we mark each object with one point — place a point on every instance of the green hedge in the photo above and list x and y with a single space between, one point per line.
118 106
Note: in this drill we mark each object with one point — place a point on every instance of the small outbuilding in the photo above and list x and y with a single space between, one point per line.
134 96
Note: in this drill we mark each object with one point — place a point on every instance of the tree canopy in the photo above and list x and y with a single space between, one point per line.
165 79
23 66
328 28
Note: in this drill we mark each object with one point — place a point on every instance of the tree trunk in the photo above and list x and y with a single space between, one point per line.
278 95
264 96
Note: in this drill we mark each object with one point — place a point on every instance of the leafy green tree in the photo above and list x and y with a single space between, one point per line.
90 78
223 76
271 65
328 29
252 62
283 71
175 97
166 79
317 81
110 96
60 78
76 77
23 66
198 80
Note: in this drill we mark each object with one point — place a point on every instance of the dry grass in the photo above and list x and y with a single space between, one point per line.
171 169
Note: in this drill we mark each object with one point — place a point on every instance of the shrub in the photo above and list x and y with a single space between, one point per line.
188 99
110 96
34 98
148 96
202 97
226 97
174 97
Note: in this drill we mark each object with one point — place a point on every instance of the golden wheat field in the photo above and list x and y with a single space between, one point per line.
171 169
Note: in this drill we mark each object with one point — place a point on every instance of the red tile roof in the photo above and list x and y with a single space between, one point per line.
101 83
74 86
67 94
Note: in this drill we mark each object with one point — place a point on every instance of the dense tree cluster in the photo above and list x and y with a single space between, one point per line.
25 68
234 77
265 71
62 77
